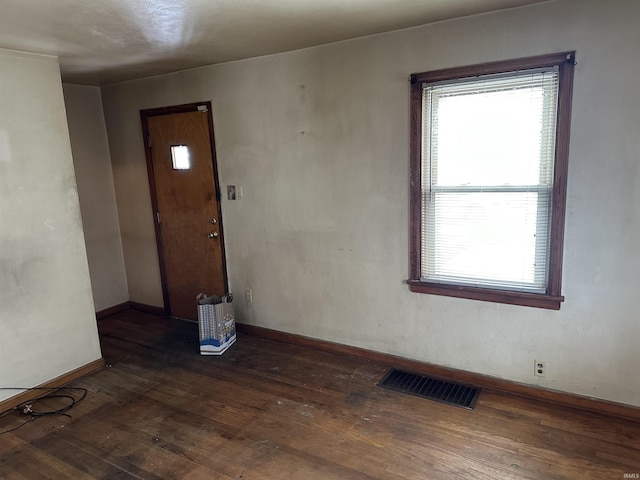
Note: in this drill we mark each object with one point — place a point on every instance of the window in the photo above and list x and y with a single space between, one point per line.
180 157
489 151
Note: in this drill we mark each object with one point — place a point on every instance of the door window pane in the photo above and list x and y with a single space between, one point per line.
180 157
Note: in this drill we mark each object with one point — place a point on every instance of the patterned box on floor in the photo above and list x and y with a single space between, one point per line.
216 323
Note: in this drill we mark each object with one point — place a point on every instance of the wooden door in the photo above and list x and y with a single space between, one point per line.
187 213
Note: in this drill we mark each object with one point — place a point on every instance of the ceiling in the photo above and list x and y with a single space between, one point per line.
107 41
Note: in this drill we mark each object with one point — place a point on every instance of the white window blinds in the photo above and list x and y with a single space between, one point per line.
487 173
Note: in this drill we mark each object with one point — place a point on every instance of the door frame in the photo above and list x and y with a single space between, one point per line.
185 108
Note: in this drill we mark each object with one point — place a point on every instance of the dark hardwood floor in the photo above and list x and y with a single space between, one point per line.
270 410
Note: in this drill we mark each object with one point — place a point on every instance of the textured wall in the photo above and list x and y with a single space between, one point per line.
47 320
92 164
318 139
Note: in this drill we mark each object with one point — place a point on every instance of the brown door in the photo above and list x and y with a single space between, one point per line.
182 174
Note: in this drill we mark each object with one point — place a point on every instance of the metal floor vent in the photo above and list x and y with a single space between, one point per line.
443 391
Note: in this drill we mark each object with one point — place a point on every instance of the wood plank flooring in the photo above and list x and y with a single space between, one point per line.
270 410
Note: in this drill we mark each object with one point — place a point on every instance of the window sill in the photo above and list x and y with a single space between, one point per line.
550 302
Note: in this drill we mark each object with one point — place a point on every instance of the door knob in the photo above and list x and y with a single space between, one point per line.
213 221
213 235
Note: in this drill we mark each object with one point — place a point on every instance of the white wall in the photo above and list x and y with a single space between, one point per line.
92 164
133 200
47 322
318 139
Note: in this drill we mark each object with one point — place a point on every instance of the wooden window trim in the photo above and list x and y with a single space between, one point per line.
553 298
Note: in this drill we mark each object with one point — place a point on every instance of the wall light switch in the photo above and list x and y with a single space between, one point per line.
231 192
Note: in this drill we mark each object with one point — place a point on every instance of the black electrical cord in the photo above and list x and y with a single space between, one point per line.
26 408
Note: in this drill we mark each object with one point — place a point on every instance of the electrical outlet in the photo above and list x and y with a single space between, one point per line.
539 368
248 296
